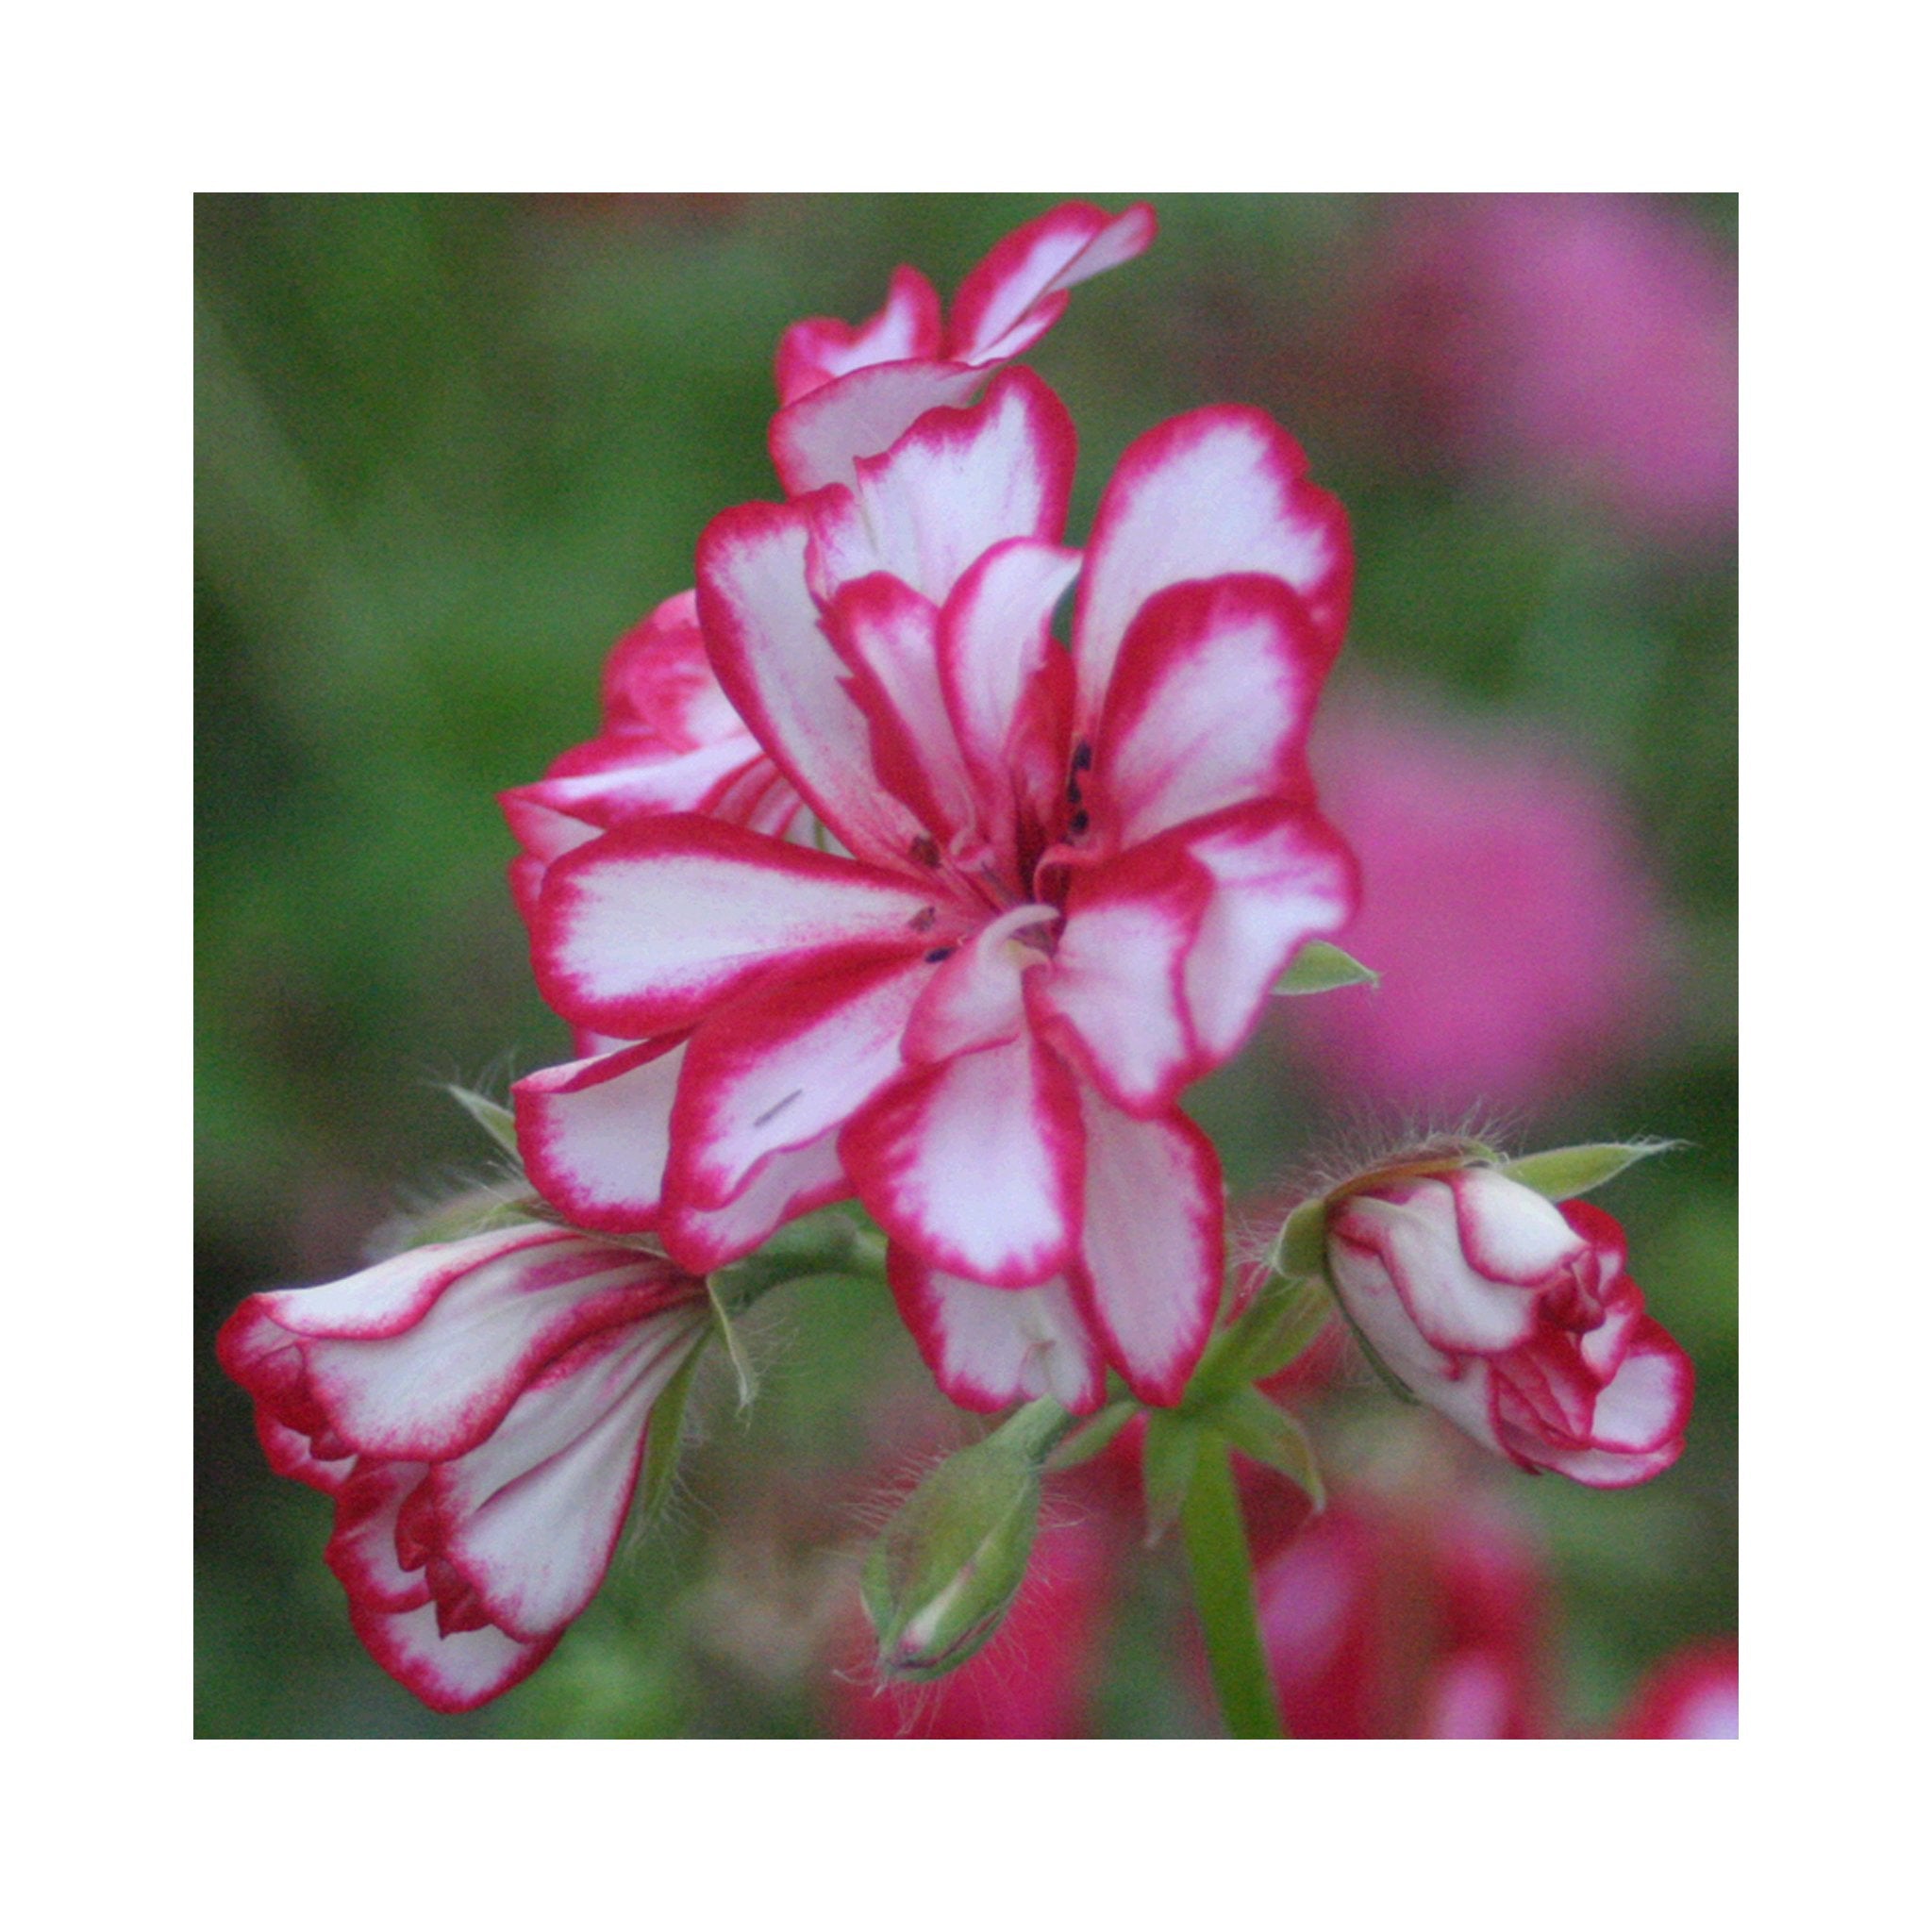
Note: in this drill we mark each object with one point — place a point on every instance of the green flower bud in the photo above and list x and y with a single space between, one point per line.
944 1573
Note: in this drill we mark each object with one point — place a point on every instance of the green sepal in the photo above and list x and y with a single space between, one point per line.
1167 1468
1284 1317
495 1121
1322 968
827 1242
1564 1173
482 1211
1095 1436
1302 1247
740 1361
1269 1435
1384 1374
664 1437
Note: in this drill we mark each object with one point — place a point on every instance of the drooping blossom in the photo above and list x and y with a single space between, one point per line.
478 1410
1408 1616
1692 1693
1517 933
1069 880
1514 1318
1589 340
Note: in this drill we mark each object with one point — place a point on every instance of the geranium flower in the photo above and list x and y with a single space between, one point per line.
478 1410
1692 1693
1068 881
670 739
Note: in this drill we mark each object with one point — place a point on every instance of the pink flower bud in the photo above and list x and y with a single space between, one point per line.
1514 1318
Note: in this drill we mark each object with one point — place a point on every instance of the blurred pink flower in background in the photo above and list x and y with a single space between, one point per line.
1592 337
1692 1693
1521 942
1418 1616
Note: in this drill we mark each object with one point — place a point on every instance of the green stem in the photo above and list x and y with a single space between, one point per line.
1223 1579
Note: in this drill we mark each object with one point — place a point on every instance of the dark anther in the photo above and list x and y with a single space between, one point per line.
1073 791
925 919
1079 822
925 849
939 952
1083 757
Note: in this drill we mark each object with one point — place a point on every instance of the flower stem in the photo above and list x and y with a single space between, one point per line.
1224 1580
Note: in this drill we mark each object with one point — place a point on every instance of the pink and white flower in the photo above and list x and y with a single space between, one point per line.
1069 880
1692 1693
1514 1318
478 1412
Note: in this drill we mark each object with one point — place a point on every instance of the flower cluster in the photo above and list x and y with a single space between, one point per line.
872 886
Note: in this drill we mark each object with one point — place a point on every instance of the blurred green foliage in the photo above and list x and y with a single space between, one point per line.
447 449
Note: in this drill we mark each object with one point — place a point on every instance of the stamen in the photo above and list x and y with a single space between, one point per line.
924 850
925 919
939 952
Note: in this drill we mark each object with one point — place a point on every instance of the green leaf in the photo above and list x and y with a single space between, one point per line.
497 1121
1270 1435
1167 1468
1322 968
664 1438
1090 1440
740 1362
1564 1173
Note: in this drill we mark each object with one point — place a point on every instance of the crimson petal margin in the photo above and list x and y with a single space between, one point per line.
820 438
908 328
1018 290
646 929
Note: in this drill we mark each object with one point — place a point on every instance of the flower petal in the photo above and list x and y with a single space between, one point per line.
1017 294
449 1673
780 670
974 1164
1151 1255
974 999
1114 998
1282 876
1510 1232
959 482
820 438
906 329
530 1516
783 1065
1647 1404
1209 707
649 927
362 1550
989 1347
595 1133
786 1186
1218 492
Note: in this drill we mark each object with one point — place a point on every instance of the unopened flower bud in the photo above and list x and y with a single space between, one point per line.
1510 1315
944 1573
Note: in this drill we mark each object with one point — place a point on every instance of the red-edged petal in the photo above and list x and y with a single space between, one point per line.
786 1186
1214 493
652 926
1007 685
1510 1232
782 1066
1646 1406
888 636
1017 294
362 1550
530 1516
1209 707
419 1358
781 672
451 1674
1151 1254
990 1347
974 999
959 482
1282 876
1114 999
906 329
974 1164
820 438
594 1134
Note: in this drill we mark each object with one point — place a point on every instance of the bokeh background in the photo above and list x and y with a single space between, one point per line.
448 448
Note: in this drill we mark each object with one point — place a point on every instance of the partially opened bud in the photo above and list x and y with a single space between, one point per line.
944 1573
1511 1316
